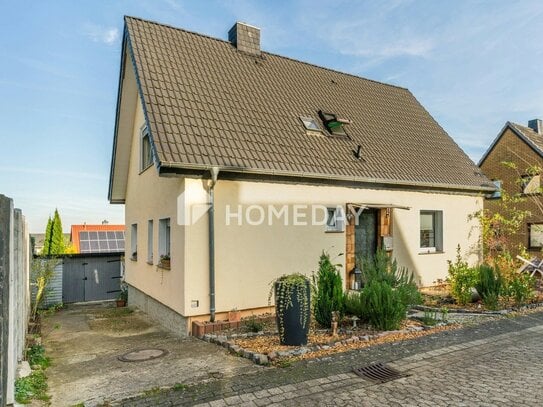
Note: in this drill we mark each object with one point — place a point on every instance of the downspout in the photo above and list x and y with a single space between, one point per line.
214 174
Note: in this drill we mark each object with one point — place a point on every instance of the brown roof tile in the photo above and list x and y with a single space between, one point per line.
533 137
209 104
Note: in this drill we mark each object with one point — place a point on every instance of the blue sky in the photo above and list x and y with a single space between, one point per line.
472 64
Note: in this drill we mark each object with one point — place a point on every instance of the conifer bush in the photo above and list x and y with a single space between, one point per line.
328 294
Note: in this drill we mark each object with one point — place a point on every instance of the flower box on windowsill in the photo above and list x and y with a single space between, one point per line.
164 261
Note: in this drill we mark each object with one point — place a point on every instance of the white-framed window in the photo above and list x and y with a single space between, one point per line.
150 241
335 219
535 235
146 159
164 237
134 241
431 231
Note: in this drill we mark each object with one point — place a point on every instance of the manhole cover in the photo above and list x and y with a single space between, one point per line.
378 373
141 355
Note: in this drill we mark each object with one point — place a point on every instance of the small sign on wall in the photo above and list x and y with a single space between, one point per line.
388 243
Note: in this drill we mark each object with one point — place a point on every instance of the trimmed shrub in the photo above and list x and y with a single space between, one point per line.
383 305
328 294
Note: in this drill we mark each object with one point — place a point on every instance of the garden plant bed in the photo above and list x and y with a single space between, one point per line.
264 348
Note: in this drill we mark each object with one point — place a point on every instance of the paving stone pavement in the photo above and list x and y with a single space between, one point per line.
494 364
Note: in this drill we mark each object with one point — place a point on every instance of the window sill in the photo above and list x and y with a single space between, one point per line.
333 231
150 262
133 258
160 266
434 252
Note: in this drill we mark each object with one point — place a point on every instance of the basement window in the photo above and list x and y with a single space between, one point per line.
333 124
310 124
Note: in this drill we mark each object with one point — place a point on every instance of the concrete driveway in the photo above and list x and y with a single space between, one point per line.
85 341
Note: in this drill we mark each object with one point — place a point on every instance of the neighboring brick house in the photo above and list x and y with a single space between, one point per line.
206 123
522 146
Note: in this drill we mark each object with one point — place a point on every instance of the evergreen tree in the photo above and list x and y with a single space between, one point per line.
47 237
54 239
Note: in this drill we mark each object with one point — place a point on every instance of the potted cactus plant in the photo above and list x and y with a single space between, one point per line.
292 308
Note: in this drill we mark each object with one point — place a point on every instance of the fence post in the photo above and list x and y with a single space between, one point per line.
6 262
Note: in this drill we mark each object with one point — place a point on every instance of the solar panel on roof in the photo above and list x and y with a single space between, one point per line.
101 241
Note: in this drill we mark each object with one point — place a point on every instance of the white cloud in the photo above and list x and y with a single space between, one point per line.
98 33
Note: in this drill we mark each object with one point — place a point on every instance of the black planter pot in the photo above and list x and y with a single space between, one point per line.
293 320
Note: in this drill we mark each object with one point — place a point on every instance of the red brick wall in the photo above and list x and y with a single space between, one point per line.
512 148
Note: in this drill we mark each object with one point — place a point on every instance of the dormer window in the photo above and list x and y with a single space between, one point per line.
310 124
333 124
146 155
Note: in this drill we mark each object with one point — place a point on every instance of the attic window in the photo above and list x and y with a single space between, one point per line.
333 124
310 123
146 155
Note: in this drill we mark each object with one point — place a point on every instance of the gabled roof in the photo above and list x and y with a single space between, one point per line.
528 135
208 104
97 238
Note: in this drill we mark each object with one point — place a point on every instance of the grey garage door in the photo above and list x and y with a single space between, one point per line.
91 278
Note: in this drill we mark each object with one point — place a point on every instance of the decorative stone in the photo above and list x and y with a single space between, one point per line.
261 359
23 370
235 348
272 355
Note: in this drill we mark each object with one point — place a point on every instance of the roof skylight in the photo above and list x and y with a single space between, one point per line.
334 124
310 123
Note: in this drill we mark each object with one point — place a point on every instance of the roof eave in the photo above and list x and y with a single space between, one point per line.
117 116
199 170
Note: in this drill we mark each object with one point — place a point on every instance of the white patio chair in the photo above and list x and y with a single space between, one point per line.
532 266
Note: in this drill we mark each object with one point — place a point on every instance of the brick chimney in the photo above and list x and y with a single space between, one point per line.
536 125
245 38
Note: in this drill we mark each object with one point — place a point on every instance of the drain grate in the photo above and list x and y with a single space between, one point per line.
141 355
379 373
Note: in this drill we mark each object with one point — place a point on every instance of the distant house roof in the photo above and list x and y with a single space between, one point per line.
208 104
39 241
533 139
98 238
